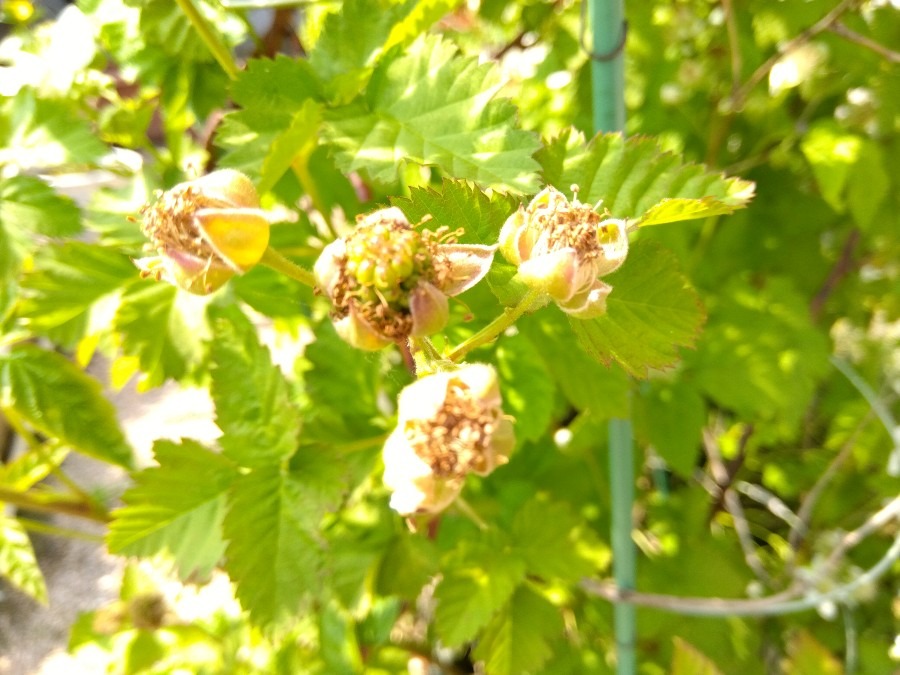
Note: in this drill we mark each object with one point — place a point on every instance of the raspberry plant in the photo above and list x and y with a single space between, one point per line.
475 286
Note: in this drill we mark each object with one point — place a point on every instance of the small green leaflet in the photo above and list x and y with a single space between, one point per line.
636 180
254 407
434 107
670 417
17 562
59 400
177 506
271 556
519 638
651 312
528 391
459 204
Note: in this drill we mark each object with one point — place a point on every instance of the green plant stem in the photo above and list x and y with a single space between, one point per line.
495 327
210 38
272 258
466 509
53 503
47 528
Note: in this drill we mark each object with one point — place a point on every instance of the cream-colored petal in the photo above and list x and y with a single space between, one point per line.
555 273
429 310
357 332
613 237
482 382
423 399
510 235
589 304
327 268
469 263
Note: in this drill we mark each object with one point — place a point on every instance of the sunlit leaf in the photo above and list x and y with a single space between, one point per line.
176 507
688 660
432 106
18 564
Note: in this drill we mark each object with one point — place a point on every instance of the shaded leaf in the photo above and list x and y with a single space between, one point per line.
177 507
528 392
808 656
471 592
519 639
431 106
651 312
670 417
61 401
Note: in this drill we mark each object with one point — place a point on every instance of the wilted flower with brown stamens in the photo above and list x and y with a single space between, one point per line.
389 281
205 231
562 248
450 424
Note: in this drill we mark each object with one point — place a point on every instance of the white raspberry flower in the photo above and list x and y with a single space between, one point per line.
450 424
562 248
389 281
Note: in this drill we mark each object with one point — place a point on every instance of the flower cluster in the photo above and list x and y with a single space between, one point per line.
388 281
450 424
205 231
561 248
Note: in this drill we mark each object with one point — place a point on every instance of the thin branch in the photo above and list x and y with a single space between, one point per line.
789 601
875 522
842 267
734 507
770 501
822 25
734 47
840 29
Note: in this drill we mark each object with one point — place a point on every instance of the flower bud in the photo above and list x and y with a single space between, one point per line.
388 280
562 248
205 231
450 424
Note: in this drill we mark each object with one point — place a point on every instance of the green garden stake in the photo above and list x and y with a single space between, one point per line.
609 31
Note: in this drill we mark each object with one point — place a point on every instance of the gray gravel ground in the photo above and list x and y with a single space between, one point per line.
80 575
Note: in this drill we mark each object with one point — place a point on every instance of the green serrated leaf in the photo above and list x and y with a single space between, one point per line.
528 391
59 400
471 592
432 106
66 279
254 408
274 89
164 328
633 177
584 382
17 561
271 555
670 417
520 637
547 536
688 660
293 146
408 564
177 507
341 385
459 204
651 312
